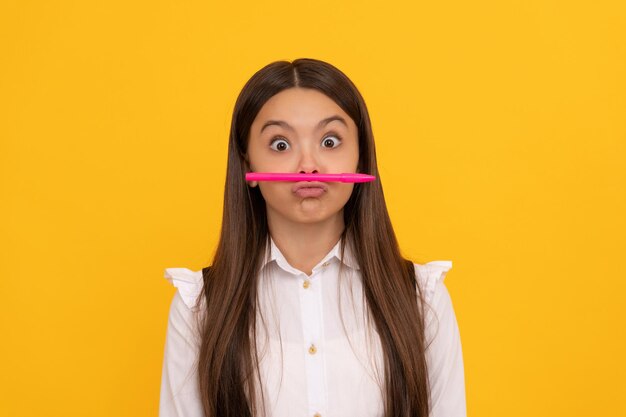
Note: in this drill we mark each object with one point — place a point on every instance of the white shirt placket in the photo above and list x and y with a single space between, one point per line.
311 303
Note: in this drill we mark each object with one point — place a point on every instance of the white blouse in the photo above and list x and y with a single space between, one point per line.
310 366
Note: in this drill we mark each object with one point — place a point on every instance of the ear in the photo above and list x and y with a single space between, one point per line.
248 169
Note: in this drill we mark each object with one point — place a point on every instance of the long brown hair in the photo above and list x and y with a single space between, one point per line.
227 356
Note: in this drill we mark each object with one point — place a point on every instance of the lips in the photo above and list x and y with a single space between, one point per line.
309 189
309 184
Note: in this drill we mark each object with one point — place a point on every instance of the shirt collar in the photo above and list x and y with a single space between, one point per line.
274 254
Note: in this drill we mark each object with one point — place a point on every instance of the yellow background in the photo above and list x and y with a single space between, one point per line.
501 135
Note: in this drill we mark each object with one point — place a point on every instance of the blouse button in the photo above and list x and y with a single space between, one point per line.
306 283
312 349
324 265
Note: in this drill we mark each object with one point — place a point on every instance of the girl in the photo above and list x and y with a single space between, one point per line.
308 308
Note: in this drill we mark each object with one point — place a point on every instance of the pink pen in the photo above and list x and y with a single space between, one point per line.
276 176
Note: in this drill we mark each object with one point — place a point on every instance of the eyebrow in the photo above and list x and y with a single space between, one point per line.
319 125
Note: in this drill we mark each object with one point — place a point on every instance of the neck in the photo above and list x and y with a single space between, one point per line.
304 245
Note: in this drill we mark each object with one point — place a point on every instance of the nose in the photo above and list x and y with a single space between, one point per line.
308 162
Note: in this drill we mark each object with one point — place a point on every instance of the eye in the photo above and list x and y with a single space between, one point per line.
282 144
328 142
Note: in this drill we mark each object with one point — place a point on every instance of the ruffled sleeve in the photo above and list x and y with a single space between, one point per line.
189 283
430 273
444 354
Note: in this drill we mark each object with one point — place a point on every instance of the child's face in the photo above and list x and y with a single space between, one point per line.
301 146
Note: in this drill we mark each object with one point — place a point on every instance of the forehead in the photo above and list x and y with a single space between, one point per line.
299 107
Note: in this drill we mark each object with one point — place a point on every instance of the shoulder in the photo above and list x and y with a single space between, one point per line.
184 317
438 304
440 317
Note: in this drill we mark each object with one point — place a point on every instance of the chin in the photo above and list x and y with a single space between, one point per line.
304 211
304 217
